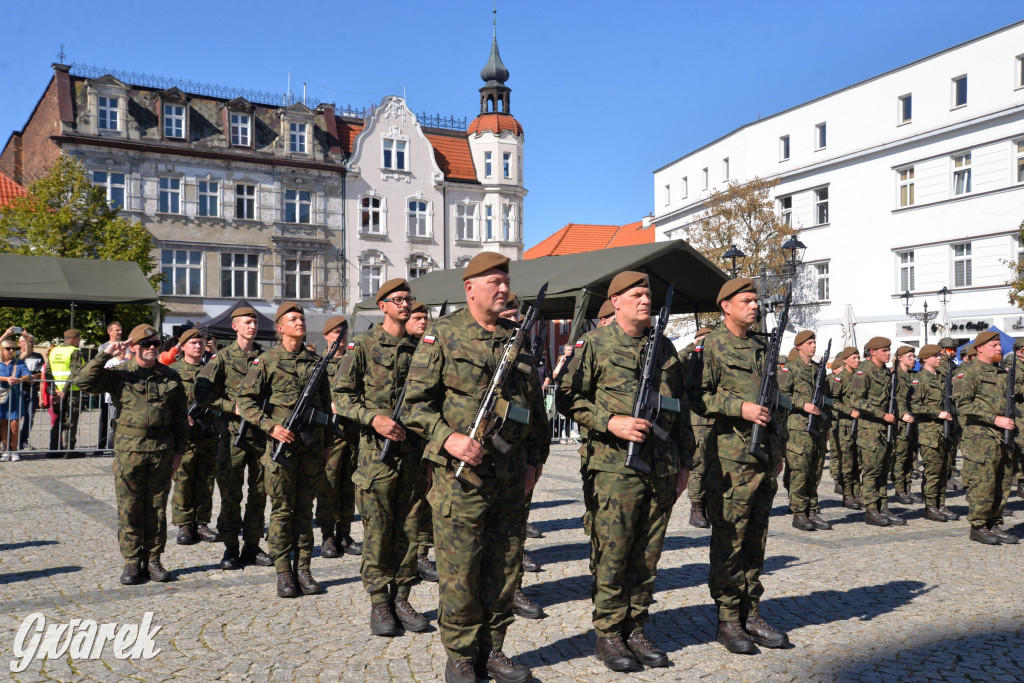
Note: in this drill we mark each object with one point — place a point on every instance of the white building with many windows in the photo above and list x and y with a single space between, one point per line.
910 181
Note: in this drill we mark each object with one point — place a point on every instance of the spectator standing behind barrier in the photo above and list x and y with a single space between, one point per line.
65 360
30 396
114 332
12 374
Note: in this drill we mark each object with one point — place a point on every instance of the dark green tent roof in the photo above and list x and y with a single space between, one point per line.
51 281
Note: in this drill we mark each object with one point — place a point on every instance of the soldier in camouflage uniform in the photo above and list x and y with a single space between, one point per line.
926 403
844 453
152 433
693 368
870 397
631 509
980 396
336 504
904 450
948 354
279 377
1018 450
426 568
740 488
366 388
192 501
805 454
478 531
217 388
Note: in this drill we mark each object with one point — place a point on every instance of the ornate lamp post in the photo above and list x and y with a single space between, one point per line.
796 249
733 254
927 316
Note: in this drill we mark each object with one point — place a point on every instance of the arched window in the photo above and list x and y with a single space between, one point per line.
420 265
418 217
371 212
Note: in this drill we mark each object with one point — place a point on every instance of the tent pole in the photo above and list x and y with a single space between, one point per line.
72 325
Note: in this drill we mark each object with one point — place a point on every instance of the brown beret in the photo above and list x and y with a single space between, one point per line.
483 262
188 334
703 332
837 363
627 279
928 350
393 285
793 353
336 321
287 307
803 336
969 351
140 332
607 310
876 343
903 349
512 302
734 287
947 343
847 352
68 334
985 337
418 307
243 311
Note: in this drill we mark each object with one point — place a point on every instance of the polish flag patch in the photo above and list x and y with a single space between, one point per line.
698 349
838 378
351 345
860 372
579 344
960 375
255 361
914 382
429 339
784 369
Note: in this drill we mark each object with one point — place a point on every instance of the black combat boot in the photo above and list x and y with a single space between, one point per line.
763 634
983 535
187 535
286 587
530 564
950 515
894 519
1004 537
533 532
307 583
132 574
426 569
329 547
645 651
522 606
614 654
933 514
253 554
411 619
801 522
875 518
382 621
230 560
348 546
459 671
851 503
156 570
697 516
819 522
903 499
206 534
735 639
504 670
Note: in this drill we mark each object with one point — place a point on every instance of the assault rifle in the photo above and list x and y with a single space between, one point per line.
890 430
649 401
1011 411
818 398
304 414
198 415
948 426
768 394
495 409
243 428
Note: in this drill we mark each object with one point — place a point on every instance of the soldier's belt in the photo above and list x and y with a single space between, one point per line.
150 433
730 425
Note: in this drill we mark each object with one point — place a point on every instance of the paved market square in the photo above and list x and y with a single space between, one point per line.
917 603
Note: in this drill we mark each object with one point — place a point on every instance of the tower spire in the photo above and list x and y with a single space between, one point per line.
494 96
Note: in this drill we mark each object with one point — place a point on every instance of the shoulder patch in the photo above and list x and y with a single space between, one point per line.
784 368
860 372
429 339
960 375
351 345
699 349
255 361
838 378
914 381
580 343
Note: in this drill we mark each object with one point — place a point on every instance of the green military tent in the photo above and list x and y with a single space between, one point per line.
55 282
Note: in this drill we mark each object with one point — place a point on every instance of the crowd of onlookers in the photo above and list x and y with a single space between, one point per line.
21 370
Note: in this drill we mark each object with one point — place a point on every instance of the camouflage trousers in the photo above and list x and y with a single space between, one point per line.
987 473
844 460
631 516
336 504
141 484
291 491
232 463
588 492
874 455
903 459
526 519
695 485
479 536
389 502
936 471
192 500
426 535
805 462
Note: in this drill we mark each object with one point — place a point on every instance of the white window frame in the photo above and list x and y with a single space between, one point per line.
784 148
240 129
420 265
508 222
371 211
820 136
107 180
298 277
962 184
822 280
243 278
954 100
905 270
904 109
371 273
394 154
668 194
704 178
821 206
686 188
170 188
786 210
180 270
297 135
725 169
174 120
247 200
488 223
418 223
296 200
465 222
212 197
905 186
1018 159
108 113
506 164
488 164
965 276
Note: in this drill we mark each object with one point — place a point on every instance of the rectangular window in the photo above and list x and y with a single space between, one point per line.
240 130
1019 243
962 265
784 148
959 91
822 269
962 174
369 279
418 268
465 222
1020 72
725 168
239 275
113 185
905 108
170 195
296 206
704 178
488 171
506 164
508 228
820 136
821 206
1020 161
488 222
174 121
394 154
298 278
906 177
183 272
208 198
786 211
668 194
245 202
106 113
906 271
369 215
686 188
419 219
297 137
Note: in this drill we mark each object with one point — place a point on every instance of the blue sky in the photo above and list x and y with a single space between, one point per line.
606 91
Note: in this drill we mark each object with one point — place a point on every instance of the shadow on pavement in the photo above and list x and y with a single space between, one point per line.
38 573
539 504
564 552
24 544
551 525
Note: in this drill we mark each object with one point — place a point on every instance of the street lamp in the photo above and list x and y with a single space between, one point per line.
734 254
796 253
944 296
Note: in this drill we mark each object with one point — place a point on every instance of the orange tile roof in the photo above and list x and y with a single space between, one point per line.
496 123
450 151
347 132
9 189
576 238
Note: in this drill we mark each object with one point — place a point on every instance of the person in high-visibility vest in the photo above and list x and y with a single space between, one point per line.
65 360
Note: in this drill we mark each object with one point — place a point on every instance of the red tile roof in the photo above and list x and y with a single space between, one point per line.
9 189
496 123
576 238
450 151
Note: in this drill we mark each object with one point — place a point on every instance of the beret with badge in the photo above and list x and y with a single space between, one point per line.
734 287
903 349
140 332
985 337
336 321
397 284
286 307
243 311
876 343
188 334
483 262
803 337
607 310
627 280
929 350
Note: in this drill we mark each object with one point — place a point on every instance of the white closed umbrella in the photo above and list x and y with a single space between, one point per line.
849 323
943 322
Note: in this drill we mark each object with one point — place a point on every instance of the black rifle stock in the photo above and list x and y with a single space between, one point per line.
647 403
495 409
890 430
1011 411
768 393
817 423
198 415
947 403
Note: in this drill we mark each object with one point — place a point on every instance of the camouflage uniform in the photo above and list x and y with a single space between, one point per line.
949 366
693 364
192 501
478 532
217 387
631 510
926 404
336 504
844 453
903 452
1018 446
151 428
280 376
367 384
980 394
740 488
805 454
870 395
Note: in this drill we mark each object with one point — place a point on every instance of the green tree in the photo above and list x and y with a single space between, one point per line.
1016 294
63 214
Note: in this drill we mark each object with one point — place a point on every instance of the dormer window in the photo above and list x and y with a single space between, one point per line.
107 117
297 137
241 130
174 121
394 154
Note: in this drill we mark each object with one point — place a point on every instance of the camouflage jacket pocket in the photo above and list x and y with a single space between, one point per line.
466 372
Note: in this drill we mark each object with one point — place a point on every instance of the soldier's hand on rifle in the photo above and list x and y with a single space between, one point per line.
890 418
812 409
1004 422
756 413
281 434
907 417
855 414
945 416
191 422
388 428
629 428
469 451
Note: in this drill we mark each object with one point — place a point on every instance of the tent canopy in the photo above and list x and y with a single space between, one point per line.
578 283
55 282
220 326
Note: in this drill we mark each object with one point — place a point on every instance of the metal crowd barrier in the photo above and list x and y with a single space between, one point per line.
56 423
563 429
